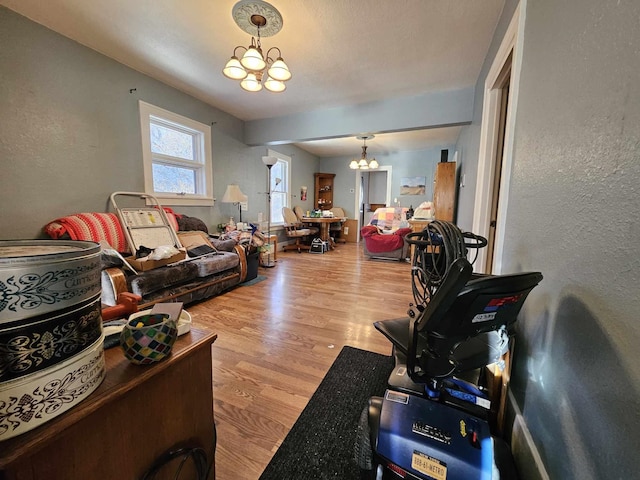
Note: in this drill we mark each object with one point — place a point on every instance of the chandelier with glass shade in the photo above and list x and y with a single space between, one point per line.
363 163
259 19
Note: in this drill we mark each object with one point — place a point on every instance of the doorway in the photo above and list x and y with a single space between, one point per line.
496 150
371 187
502 87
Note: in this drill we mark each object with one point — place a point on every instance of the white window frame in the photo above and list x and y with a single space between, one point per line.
202 146
287 194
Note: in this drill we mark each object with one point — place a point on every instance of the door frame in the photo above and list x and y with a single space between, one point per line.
511 45
386 168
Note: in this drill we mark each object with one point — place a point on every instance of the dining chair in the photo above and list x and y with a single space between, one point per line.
294 229
335 229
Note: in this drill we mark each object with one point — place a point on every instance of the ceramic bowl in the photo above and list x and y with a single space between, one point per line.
36 344
148 338
42 276
184 322
28 402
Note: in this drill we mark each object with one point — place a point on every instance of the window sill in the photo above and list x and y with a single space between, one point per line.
185 202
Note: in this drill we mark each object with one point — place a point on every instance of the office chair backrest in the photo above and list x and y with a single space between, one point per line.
298 211
289 217
338 212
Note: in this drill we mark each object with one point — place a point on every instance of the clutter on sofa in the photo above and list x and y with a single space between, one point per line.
190 280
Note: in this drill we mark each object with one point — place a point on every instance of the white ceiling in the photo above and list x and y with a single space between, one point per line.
341 52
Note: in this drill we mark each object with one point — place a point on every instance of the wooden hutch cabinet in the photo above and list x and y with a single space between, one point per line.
323 199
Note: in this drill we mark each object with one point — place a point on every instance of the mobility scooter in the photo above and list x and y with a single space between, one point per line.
432 423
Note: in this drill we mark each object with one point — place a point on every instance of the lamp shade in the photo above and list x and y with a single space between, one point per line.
279 70
274 85
373 163
252 60
233 194
251 83
234 70
353 165
269 161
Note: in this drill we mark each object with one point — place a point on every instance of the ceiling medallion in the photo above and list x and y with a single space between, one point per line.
245 11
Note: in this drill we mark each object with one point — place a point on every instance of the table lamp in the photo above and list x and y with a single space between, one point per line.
234 195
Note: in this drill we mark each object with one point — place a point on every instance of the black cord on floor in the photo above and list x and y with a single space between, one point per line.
198 455
212 465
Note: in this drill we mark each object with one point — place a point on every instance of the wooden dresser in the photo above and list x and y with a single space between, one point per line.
137 414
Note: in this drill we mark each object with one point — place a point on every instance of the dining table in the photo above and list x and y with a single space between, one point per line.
324 223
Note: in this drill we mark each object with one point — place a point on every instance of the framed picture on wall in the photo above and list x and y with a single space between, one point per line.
413 185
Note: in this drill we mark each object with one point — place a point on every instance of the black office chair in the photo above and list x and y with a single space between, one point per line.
430 422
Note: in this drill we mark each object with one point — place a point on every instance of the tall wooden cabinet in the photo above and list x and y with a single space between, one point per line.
323 199
444 191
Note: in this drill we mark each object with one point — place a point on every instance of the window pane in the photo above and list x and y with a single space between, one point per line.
277 202
168 141
172 179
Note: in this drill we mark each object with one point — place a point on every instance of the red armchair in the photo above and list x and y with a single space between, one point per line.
386 246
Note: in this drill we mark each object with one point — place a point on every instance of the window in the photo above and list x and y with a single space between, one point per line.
176 154
280 187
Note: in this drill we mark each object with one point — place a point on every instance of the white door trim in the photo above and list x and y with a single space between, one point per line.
511 44
386 168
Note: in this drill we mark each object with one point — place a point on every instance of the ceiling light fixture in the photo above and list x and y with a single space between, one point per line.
363 164
259 19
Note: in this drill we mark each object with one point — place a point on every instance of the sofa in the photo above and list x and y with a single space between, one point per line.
187 281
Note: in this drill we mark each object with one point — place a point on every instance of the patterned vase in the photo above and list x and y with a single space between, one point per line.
149 338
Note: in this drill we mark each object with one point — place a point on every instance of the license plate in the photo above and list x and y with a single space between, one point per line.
430 466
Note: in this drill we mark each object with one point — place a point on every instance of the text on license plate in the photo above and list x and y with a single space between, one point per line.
429 466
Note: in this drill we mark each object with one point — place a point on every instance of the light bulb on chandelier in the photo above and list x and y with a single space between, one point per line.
363 163
258 18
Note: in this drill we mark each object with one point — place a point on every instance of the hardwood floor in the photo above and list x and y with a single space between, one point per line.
277 339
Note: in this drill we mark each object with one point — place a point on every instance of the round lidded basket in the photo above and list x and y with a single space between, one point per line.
148 338
37 343
30 401
42 276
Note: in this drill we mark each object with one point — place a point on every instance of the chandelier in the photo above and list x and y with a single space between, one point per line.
363 164
258 19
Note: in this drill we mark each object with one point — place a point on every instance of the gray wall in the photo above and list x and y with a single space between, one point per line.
573 215
70 134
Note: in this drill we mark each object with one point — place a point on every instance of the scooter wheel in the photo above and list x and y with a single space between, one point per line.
363 451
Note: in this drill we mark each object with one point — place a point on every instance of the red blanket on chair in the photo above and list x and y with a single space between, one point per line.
378 242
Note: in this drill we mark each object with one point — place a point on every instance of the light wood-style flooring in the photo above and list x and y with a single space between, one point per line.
277 339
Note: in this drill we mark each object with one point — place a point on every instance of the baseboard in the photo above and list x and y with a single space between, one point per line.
525 453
